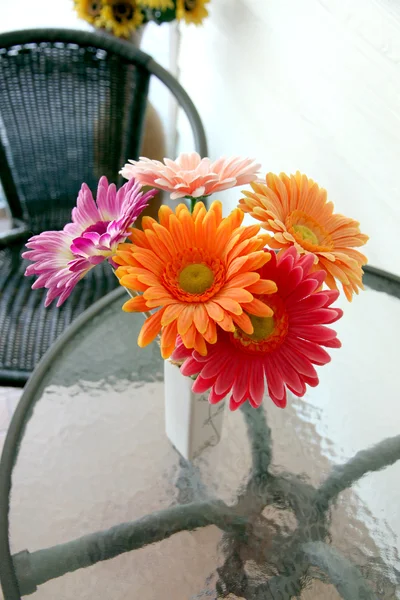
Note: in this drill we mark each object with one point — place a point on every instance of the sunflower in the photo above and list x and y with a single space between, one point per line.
198 270
157 4
192 11
121 16
296 212
89 10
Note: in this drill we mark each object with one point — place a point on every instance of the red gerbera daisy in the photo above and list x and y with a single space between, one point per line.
283 348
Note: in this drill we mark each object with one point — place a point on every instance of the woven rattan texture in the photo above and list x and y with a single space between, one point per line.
68 113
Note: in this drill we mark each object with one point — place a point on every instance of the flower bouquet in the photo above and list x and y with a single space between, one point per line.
238 310
124 17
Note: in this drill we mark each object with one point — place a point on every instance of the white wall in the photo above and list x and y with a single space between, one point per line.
314 85
310 85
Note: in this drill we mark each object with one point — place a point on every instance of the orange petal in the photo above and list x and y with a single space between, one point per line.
119 260
155 292
223 235
198 226
235 218
158 247
264 286
164 301
227 324
188 225
171 313
211 334
136 304
148 223
168 340
135 286
129 281
124 257
189 337
177 232
150 329
275 245
258 308
238 294
335 270
216 207
148 279
210 230
149 260
229 304
215 311
121 271
181 208
198 208
200 345
200 318
251 262
244 247
244 323
164 214
185 319
248 232
164 235
139 239
348 291
229 251
124 246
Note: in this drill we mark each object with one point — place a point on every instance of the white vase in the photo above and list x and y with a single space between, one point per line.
191 423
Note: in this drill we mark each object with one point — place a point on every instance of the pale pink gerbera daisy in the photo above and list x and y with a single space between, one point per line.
62 258
283 348
191 176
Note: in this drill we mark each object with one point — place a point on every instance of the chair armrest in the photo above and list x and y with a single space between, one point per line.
20 231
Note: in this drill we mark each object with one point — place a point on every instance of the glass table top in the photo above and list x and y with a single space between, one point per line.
245 519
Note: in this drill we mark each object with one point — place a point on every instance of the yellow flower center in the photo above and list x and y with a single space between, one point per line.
123 11
94 8
194 275
263 327
196 278
190 4
306 234
269 332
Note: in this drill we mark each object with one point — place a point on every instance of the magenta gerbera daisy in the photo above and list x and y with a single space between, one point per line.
283 349
62 258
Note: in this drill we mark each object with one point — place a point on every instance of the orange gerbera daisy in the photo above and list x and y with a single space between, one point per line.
199 270
296 212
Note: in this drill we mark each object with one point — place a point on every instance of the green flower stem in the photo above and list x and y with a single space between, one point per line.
193 202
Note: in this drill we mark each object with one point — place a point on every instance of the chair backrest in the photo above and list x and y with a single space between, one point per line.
72 108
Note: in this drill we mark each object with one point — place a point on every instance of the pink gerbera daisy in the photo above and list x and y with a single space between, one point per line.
283 348
62 258
191 176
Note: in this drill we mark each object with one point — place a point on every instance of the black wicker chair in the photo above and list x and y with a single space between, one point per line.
72 108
